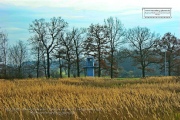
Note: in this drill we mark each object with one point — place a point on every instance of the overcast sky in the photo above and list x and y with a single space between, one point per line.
16 15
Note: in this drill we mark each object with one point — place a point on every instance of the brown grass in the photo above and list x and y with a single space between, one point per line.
151 98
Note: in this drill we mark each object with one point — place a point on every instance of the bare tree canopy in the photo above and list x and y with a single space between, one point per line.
96 43
141 40
17 56
115 33
171 45
3 51
48 33
55 46
38 52
78 37
66 51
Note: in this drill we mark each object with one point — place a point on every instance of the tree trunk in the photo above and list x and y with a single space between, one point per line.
69 69
48 65
143 68
142 62
143 71
5 68
77 65
99 60
112 62
44 65
37 74
60 68
99 67
5 71
169 67
19 72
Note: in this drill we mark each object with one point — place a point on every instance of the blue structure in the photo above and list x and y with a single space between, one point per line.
89 66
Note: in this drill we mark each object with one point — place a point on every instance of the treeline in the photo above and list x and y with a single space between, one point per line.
110 43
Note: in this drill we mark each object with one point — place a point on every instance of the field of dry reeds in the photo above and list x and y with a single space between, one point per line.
152 98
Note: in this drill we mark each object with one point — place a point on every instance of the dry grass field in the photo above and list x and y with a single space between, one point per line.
153 98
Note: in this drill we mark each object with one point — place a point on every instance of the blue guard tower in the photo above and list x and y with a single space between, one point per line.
89 66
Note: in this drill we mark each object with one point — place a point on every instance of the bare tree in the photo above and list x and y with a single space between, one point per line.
70 48
38 52
77 35
17 56
3 50
96 43
66 50
48 35
141 41
172 46
115 33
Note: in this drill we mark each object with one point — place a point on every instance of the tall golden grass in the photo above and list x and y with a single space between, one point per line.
152 98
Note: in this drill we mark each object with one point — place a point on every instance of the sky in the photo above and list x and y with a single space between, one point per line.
16 15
